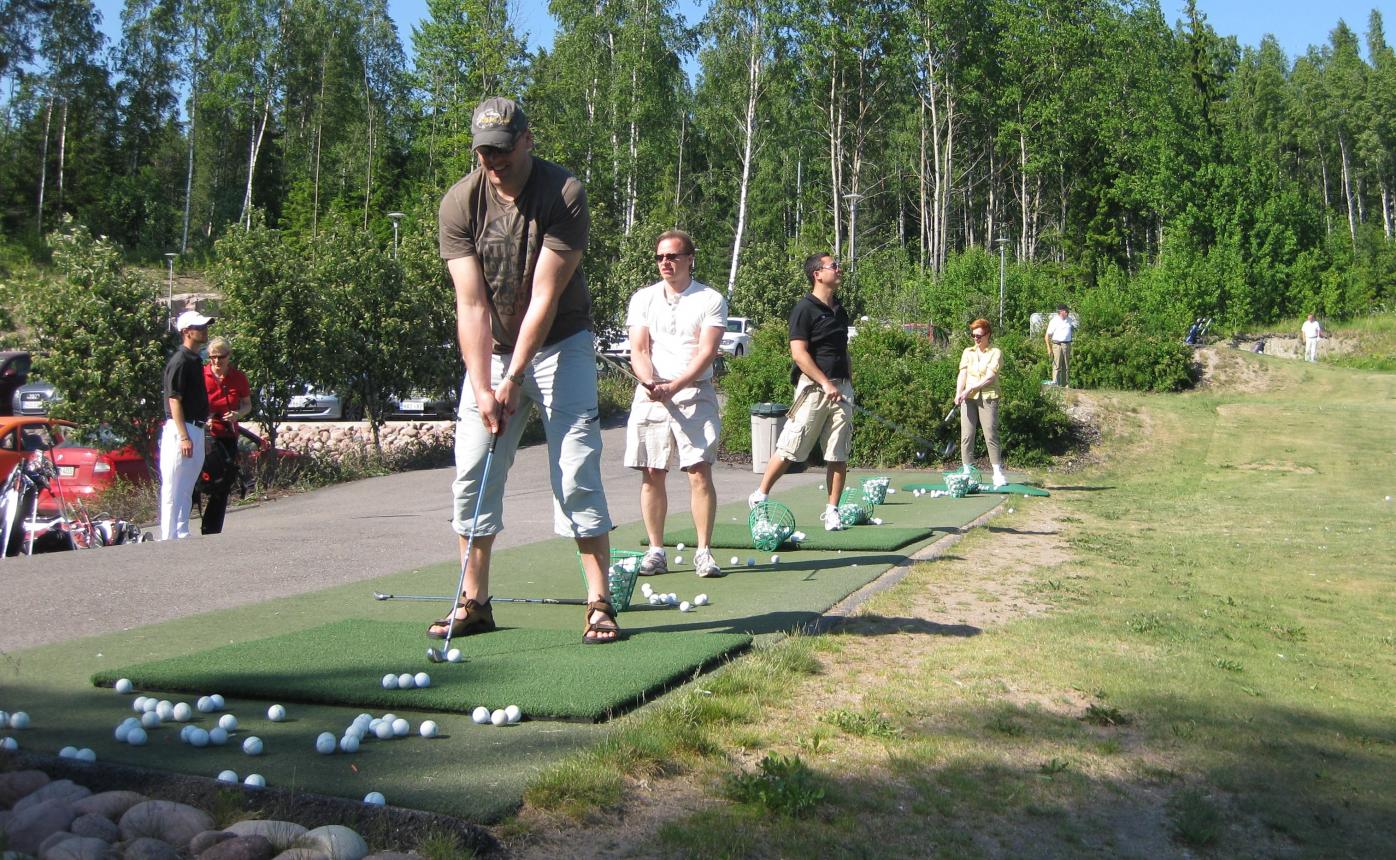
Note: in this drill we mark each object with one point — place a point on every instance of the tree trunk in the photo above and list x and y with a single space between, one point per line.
254 149
1347 189
43 167
62 151
754 67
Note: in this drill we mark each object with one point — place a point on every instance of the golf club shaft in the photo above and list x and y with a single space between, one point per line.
561 601
469 542
623 367
892 425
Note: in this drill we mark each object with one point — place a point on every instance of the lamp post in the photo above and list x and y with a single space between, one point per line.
169 291
396 216
1002 243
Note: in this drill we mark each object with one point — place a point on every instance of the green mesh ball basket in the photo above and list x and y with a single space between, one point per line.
853 497
959 484
771 525
875 490
621 575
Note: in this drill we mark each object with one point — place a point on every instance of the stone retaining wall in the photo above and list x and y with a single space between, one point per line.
340 437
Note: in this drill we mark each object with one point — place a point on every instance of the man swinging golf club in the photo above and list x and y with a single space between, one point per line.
675 326
823 410
512 233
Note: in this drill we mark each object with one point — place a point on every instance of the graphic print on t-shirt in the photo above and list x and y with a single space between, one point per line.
504 271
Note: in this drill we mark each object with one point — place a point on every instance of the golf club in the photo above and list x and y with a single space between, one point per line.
439 655
433 598
623 367
894 426
950 445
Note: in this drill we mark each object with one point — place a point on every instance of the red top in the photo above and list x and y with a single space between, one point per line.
224 395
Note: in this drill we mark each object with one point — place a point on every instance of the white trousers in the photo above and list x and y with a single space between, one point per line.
178 475
1311 349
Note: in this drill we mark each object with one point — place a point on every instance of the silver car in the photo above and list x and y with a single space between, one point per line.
312 404
33 398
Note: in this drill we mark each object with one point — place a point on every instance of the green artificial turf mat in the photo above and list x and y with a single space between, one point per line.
547 673
1005 490
883 538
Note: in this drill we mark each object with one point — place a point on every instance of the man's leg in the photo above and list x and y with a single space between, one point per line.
169 462
703 500
654 505
836 474
1066 365
186 476
775 467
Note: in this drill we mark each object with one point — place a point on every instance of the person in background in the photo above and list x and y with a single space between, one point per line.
977 395
676 327
1061 331
182 437
1310 332
229 401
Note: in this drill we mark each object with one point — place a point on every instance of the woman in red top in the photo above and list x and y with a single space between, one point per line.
229 400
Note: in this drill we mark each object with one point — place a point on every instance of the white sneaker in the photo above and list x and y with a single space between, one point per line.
831 520
655 561
999 478
756 498
704 565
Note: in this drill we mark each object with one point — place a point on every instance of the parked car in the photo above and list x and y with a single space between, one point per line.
736 341
83 471
34 398
14 372
420 405
312 404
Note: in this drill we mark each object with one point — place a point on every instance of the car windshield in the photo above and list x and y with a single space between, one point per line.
734 326
102 437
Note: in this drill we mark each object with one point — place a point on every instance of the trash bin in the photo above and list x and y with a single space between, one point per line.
767 420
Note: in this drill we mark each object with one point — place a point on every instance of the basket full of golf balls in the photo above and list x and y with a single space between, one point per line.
961 484
854 508
771 525
875 490
620 576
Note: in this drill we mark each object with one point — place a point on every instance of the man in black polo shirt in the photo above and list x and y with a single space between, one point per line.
823 409
182 439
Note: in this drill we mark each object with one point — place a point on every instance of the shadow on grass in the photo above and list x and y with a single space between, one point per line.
1008 531
1078 489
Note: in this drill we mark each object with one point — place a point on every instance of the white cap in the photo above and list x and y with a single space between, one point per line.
189 319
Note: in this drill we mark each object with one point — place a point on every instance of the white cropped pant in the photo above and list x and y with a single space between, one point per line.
178 475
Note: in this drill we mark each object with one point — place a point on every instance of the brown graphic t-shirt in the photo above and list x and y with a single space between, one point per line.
507 237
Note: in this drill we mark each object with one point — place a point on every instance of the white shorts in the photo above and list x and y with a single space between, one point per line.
682 431
817 418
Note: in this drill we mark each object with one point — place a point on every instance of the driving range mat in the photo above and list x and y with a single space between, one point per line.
883 538
548 673
1005 490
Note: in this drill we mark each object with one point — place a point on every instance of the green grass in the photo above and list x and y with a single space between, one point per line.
1376 337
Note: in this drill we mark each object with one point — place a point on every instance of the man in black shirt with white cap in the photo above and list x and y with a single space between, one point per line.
182 438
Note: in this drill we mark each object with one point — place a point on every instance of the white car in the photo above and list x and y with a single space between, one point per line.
736 341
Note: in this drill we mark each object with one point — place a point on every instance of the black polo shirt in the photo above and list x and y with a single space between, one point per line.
184 378
825 327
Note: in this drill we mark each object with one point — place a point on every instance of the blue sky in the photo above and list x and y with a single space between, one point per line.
1297 24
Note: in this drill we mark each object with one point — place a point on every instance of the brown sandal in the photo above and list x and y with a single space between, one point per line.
608 625
479 618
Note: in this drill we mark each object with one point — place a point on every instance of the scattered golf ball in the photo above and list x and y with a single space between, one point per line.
228 723
9 744
454 656
218 701
685 606
198 737
678 559
388 718
184 733
672 598
383 730
123 731
390 682
137 737
891 491
150 719
230 776
877 521
428 729
218 736
406 681
204 705
655 600
325 743
375 798
165 709
19 720
124 686
775 559
255 780
349 744
750 562
680 547
252 746
276 713
736 561
1010 510
150 704
401 727
182 712
513 714
422 679
138 704
68 752
499 718
480 715
920 455
85 754
700 600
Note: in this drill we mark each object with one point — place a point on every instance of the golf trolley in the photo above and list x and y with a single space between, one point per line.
24 530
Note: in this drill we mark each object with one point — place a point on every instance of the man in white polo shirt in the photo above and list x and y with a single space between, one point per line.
1311 331
1060 332
675 327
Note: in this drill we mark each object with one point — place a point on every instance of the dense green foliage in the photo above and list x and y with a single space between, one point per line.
1133 362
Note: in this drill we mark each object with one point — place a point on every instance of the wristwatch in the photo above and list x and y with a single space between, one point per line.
516 378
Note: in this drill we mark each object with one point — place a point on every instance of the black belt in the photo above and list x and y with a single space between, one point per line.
201 424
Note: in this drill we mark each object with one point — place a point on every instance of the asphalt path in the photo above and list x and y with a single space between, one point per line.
332 536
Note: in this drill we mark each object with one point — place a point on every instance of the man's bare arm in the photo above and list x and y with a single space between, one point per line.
550 276
473 332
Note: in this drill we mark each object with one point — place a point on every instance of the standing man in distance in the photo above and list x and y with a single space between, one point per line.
182 437
1058 336
822 376
675 327
512 234
1310 332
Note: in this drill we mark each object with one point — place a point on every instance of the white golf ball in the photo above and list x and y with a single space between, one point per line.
513 714
685 606
184 733
700 600
750 562
655 599
325 743
401 727
891 491
124 686
480 715
680 547
349 744
204 705
198 737
165 709
276 713
122 732
150 704
86 754
19 720
9 744
454 656
672 599
70 752
150 719
499 718
217 699
422 679
138 704
255 780
775 559
406 681
182 712
1010 510
228 723
375 798
877 521
388 718
678 559
137 737
230 776
218 736
252 746
390 682
736 561
383 730
428 729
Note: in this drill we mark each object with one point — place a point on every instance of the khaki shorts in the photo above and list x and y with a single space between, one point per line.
818 419
682 431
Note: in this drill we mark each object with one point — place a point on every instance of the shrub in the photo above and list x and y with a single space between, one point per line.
1133 362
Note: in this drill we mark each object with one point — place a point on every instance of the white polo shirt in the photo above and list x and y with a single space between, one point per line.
675 326
1060 330
1311 329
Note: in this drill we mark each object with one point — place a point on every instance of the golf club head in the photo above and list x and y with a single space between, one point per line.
436 655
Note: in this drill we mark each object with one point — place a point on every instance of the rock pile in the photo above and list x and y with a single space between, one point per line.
340 439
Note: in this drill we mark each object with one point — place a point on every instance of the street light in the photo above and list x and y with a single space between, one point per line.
1002 243
169 293
396 216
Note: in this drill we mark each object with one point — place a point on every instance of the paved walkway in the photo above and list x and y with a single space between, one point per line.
341 534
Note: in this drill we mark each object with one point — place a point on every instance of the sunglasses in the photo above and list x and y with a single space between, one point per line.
668 258
978 334
218 358
834 265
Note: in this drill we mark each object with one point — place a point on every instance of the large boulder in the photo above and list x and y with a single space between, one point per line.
95 826
240 848
30 826
19 783
206 840
62 789
175 823
109 804
281 834
338 841
146 848
79 848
